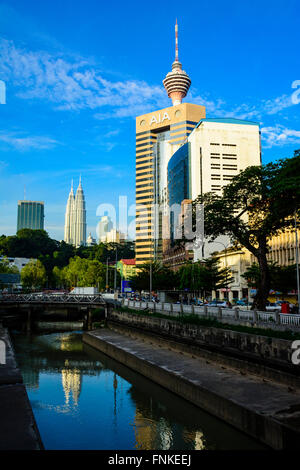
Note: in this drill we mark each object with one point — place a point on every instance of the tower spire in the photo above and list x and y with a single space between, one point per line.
177 82
176 42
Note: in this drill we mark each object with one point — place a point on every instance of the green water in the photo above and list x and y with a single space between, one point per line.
83 399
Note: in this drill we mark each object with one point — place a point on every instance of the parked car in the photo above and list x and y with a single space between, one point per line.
218 303
272 307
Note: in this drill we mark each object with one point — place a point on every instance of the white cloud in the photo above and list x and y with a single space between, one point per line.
73 84
25 143
279 136
277 104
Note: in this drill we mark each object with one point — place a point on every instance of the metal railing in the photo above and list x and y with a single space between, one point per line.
235 314
52 298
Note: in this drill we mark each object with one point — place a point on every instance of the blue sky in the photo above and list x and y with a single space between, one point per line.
77 73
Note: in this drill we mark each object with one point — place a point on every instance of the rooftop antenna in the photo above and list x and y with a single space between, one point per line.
176 42
24 192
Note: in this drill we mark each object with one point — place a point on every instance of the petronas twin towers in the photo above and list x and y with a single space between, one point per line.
75 219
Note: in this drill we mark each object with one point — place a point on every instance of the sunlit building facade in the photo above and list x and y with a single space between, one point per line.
158 135
75 218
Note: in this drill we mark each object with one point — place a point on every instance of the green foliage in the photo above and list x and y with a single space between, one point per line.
81 272
282 278
204 276
53 254
5 268
162 278
33 275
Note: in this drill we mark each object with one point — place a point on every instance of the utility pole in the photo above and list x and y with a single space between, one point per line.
107 274
297 262
115 278
150 287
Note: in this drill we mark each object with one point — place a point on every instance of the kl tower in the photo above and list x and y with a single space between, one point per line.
177 82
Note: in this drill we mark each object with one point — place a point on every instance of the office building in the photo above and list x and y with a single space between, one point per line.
215 152
158 135
90 241
104 227
30 215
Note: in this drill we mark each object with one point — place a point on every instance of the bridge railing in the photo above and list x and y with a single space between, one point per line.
52 298
292 321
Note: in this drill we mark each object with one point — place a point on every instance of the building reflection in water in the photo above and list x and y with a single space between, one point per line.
155 428
71 382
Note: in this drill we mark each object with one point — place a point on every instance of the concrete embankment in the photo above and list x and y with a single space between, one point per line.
18 429
267 357
267 410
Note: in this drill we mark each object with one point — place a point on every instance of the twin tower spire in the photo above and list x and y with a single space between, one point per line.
75 218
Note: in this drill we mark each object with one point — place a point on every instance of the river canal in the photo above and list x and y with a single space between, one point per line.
83 399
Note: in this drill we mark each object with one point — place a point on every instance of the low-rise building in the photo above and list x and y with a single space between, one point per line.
127 268
18 262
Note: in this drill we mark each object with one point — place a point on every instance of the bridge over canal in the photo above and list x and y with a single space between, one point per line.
33 305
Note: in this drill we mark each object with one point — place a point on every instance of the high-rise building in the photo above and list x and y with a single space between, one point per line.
105 225
69 218
215 152
75 218
158 135
30 215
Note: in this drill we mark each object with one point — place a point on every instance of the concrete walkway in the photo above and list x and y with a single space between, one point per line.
18 430
265 410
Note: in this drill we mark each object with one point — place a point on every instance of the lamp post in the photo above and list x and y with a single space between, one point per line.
107 274
115 277
225 251
150 286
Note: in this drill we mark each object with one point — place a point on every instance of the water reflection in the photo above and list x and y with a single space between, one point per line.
83 399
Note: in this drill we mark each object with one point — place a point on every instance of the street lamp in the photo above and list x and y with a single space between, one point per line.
150 287
225 250
115 277
107 275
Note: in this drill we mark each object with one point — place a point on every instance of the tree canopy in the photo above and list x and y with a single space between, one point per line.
33 275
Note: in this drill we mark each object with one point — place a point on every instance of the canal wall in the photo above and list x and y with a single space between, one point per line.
265 410
264 356
18 429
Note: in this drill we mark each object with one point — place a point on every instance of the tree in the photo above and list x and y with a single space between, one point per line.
33 275
282 278
5 267
82 272
204 276
258 203
162 277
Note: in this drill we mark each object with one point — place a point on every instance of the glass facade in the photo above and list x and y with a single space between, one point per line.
179 182
179 175
30 215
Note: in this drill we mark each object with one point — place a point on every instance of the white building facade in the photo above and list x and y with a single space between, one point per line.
215 151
